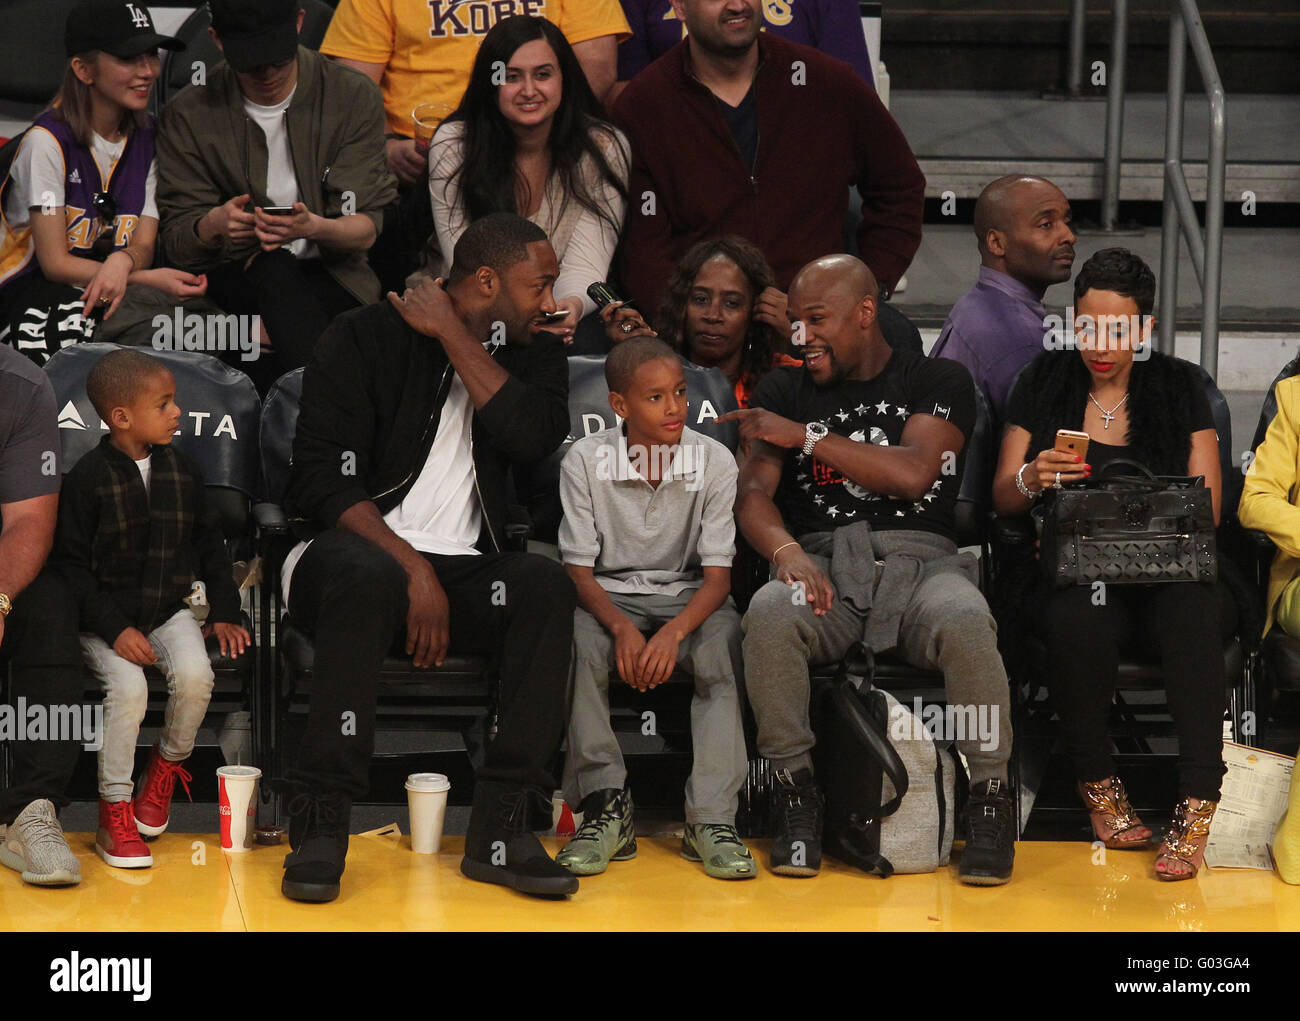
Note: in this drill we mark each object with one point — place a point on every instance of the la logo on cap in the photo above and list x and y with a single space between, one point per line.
139 16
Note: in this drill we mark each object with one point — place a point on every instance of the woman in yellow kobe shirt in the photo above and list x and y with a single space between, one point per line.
1270 502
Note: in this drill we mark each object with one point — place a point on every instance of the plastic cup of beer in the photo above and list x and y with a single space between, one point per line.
426 795
425 118
237 805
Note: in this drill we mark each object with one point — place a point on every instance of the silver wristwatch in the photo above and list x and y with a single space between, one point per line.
813 432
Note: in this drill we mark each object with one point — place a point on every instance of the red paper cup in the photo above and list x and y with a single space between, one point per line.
237 805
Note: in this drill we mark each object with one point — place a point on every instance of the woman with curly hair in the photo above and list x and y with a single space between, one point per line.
529 138
719 309
1151 409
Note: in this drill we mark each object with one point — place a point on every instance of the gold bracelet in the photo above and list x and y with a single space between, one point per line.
780 548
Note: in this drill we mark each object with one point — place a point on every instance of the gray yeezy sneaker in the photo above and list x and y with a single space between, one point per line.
607 834
35 846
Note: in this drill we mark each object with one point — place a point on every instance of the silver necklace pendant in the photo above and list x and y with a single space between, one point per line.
1107 416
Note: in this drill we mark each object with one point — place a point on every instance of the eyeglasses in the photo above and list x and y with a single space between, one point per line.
105 206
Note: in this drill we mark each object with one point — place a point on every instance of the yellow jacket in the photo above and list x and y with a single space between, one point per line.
1270 500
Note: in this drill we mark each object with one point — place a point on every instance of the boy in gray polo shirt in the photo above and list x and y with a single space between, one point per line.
648 537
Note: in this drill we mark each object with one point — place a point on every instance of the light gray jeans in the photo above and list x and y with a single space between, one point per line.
178 644
946 626
711 654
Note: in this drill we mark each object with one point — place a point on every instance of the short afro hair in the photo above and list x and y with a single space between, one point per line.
498 241
629 355
1122 272
118 379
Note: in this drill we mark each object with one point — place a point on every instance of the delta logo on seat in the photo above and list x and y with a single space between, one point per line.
70 418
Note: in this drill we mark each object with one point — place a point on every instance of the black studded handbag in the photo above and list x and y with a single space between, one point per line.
1129 527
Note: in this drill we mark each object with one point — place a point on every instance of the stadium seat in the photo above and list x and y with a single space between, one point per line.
1280 652
31 49
1137 719
219 434
888 670
458 696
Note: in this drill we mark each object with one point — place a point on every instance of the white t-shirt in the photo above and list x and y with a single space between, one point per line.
441 512
146 470
38 175
281 183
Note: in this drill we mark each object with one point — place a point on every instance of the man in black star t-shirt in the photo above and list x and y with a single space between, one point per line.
864 434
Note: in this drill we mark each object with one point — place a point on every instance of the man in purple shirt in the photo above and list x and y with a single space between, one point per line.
832 26
1022 226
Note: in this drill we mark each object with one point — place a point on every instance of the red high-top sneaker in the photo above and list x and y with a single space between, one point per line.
153 793
118 841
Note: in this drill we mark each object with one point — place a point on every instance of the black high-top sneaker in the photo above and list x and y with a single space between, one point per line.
990 835
797 823
318 834
500 849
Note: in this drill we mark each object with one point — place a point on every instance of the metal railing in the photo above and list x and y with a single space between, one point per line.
1179 215
1179 210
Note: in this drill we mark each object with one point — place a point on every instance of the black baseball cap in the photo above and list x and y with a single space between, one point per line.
119 27
255 33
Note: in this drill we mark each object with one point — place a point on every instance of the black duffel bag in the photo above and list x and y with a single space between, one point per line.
1129 527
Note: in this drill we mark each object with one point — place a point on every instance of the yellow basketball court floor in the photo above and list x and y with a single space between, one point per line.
195 886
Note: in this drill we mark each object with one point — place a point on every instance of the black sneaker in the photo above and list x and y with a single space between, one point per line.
318 834
990 849
797 823
500 849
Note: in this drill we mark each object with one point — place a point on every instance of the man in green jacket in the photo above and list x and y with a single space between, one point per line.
272 179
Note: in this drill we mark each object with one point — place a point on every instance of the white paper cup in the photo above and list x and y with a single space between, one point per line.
426 795
237 803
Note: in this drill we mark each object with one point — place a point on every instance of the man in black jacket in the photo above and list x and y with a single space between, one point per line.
411 412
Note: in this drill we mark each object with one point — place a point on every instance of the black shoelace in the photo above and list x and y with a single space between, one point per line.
322 813
802 810
590 828
721 833
515 808
986 824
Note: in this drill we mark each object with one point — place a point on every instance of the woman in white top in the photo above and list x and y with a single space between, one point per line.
79 220
528 138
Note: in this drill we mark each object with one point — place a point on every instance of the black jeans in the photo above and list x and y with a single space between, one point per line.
351 597
296 298
41 648
1184 623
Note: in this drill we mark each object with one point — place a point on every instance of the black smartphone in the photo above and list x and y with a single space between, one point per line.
602 294
278 210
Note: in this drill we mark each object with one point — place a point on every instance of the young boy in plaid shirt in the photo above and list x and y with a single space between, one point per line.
134 535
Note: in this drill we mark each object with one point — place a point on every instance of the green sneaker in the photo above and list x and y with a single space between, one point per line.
721 850
606 834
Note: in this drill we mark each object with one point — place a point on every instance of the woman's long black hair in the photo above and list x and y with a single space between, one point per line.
488 176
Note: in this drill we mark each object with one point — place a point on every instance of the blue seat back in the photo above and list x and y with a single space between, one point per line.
219 419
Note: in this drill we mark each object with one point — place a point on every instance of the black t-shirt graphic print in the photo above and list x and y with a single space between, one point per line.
814 497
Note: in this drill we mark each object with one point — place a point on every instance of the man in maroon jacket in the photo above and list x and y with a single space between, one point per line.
738 132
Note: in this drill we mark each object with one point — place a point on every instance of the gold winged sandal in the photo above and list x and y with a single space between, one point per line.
1185 842
1108 807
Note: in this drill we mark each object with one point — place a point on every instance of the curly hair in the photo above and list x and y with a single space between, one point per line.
1056 385
1120 271
488 174
762 341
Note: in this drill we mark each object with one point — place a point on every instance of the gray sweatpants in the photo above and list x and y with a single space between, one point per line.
711 654
946 626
